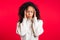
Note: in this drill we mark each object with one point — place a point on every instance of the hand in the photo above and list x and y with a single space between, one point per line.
35 14
25 14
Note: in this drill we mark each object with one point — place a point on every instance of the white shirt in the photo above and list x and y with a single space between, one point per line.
25 31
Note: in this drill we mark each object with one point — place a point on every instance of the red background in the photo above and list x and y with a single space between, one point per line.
50 13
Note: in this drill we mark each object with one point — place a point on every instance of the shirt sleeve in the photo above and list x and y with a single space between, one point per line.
21 27
38 26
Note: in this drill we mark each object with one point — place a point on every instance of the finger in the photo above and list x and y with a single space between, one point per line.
35 14
25 13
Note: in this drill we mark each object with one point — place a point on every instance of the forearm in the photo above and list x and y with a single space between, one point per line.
21 28
37 27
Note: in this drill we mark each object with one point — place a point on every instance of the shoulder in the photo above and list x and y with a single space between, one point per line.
40 21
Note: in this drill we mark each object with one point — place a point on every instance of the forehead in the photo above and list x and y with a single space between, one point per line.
30 8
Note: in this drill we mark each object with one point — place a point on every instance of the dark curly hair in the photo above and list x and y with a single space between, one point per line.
25 6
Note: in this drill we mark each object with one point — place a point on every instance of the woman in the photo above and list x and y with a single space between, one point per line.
30 25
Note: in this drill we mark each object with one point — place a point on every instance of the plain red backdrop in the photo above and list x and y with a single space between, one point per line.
49 11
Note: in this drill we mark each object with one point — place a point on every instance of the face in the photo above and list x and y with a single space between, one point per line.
30 12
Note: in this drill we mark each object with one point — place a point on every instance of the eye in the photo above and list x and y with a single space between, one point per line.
30 11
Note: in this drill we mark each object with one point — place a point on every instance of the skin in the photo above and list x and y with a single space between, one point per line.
29 14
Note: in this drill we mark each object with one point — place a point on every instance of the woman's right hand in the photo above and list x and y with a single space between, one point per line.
25 14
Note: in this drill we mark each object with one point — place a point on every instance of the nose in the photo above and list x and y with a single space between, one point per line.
29 13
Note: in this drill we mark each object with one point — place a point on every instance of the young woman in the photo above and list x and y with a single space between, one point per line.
30 25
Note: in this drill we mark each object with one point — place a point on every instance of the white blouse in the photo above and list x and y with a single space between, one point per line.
25 30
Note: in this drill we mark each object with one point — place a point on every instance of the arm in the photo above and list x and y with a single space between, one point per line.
21 30
37 26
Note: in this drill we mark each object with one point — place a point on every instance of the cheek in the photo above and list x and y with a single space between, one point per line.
27 14
32 14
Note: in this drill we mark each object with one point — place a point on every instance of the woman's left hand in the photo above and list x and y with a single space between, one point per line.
35 14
